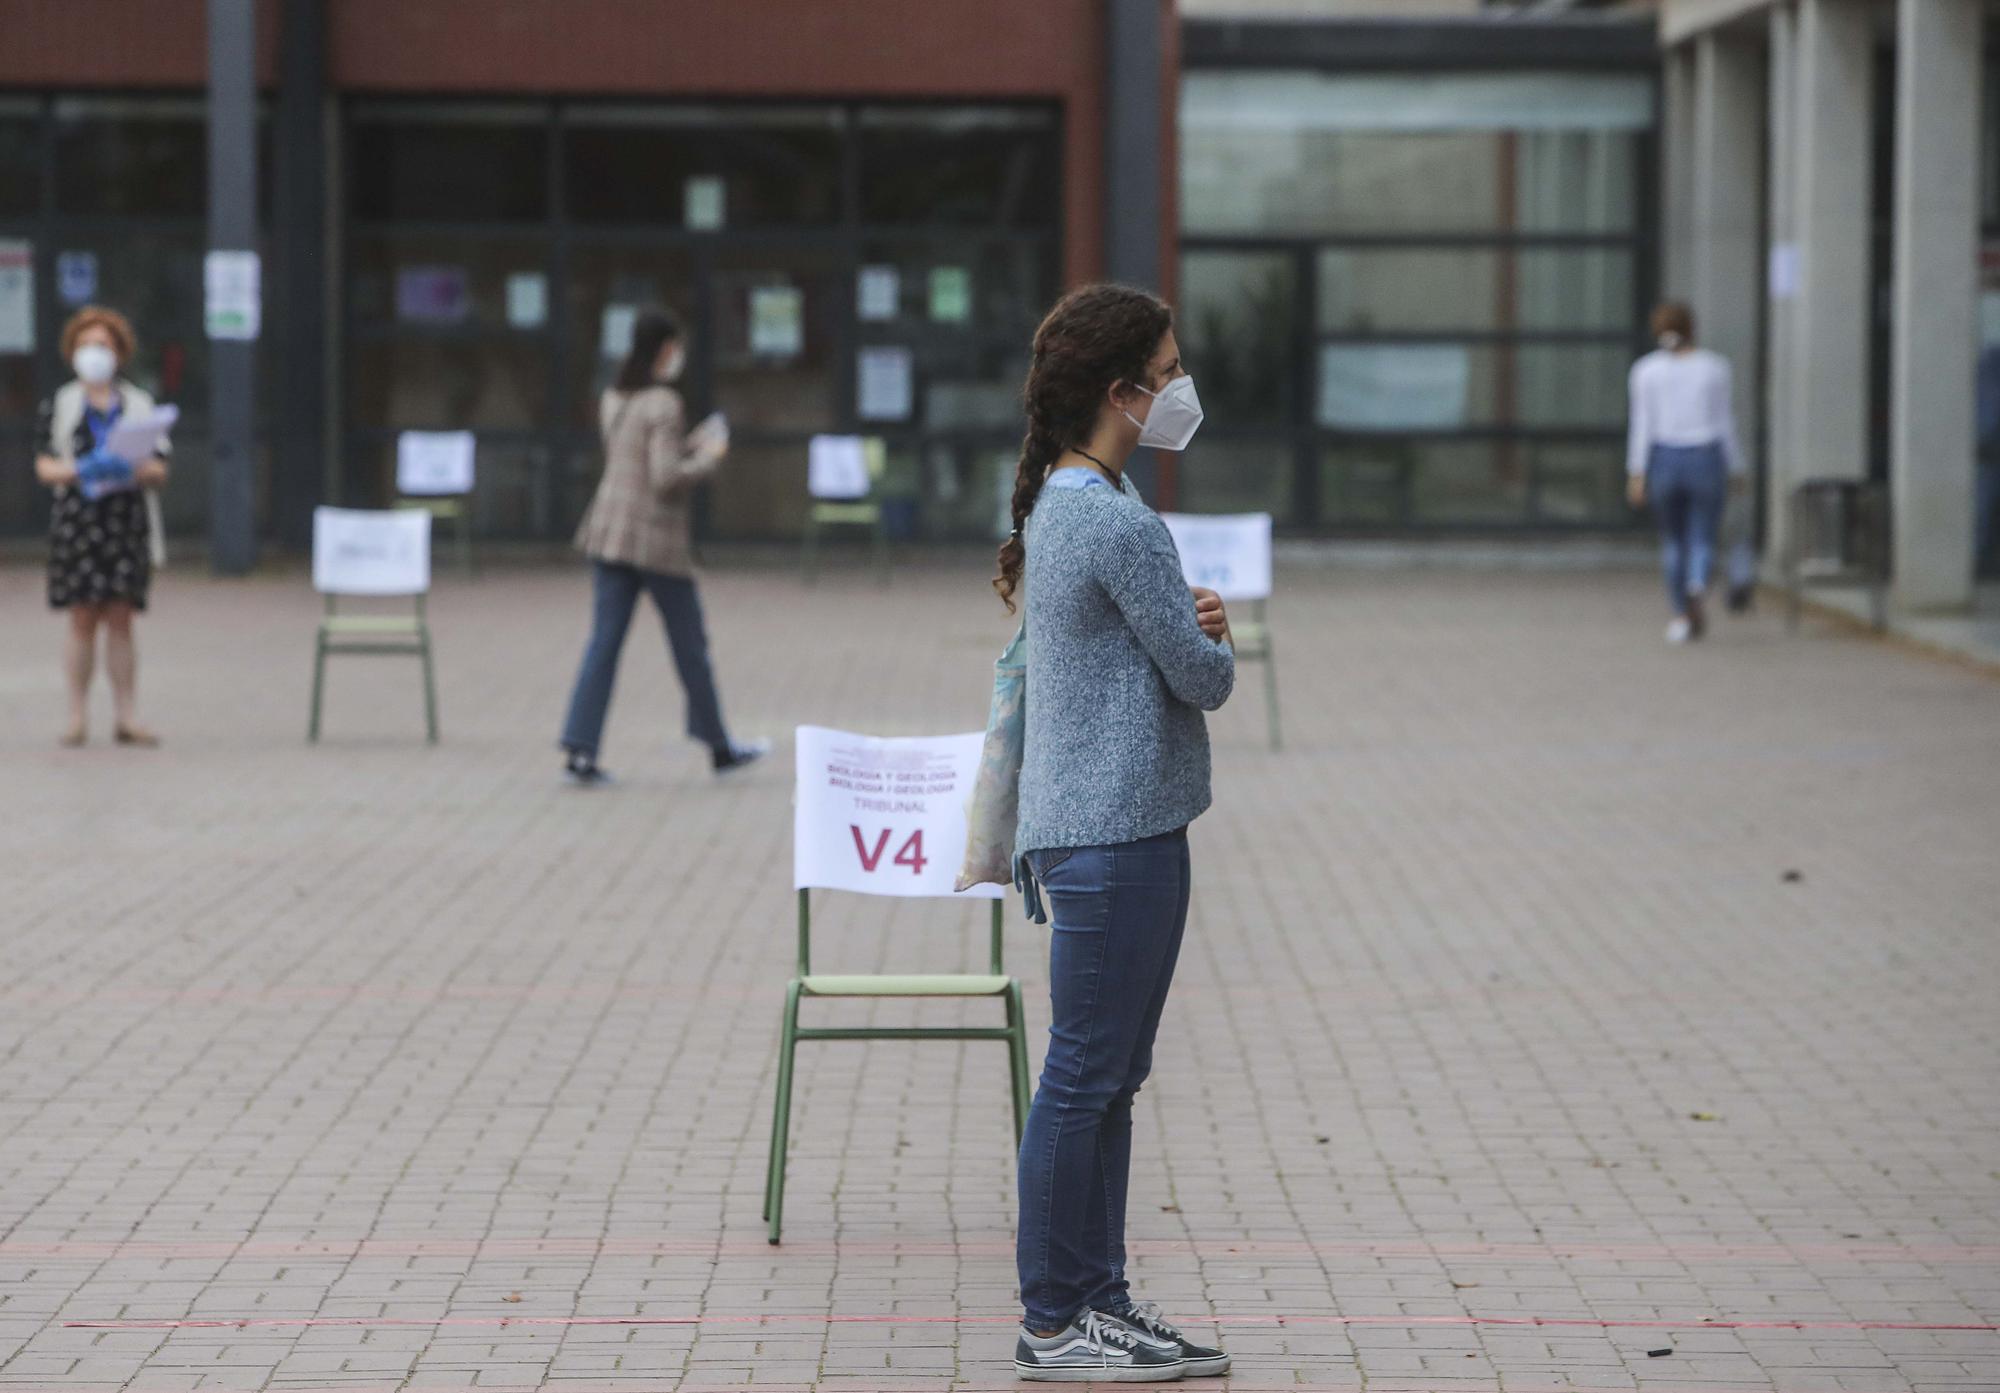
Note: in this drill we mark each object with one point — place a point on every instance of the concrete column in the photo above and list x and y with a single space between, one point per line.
1677 91
304 339
1728 261
232 227
1934 318
1135 159
1832 137
1781 442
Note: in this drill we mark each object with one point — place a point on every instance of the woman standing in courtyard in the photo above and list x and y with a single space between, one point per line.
1122 662
104 530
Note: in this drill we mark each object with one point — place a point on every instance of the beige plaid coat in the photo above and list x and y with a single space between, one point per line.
640 515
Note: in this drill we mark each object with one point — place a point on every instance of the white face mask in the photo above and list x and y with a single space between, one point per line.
94 363
1175 416
1671 341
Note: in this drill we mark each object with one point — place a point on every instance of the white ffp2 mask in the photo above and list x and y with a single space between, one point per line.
94 363
1175 416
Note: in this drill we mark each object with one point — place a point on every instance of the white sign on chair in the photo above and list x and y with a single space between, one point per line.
434 463
371 553
837 468
1227 553
883 816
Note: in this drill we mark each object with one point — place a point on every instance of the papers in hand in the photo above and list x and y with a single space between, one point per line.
137 439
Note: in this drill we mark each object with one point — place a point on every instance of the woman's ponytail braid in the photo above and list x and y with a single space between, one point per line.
1093 338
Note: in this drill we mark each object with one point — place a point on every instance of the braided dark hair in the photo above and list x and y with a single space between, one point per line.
1095 336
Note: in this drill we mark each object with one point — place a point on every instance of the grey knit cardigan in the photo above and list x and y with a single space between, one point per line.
1119 673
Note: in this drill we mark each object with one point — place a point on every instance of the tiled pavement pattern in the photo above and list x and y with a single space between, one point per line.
1554 997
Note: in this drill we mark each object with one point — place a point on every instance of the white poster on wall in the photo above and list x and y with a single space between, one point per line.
885 390
883 816
17 297
76 277
1784 272
527 300
433 463
1229 553
614 334
837 467
359 552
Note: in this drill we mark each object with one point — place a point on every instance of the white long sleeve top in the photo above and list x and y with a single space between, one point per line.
1681 399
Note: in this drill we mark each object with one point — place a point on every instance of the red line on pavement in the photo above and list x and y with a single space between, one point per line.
100 1250
1697 1323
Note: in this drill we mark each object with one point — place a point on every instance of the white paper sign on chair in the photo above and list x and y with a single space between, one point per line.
837 468
371 553
883 816
434 463
1229 553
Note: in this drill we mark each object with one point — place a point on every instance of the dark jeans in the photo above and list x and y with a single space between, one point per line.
615 590
1688 485
1118 914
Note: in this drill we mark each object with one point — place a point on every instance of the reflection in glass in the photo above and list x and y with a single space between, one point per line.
1366 290
488 165
1235 324
1390 482
990 167
1579 484
1303 152
760 492
449 384
20 161
131 156
1451 386
633 165
513 495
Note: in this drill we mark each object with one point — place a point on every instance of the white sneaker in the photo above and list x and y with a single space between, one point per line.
1679 630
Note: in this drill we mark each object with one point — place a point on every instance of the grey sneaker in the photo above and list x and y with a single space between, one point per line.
1095 1348
1201 1361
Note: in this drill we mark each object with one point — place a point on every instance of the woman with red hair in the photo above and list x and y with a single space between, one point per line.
104 530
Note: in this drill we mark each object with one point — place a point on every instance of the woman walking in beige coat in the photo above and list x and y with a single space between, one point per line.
636 533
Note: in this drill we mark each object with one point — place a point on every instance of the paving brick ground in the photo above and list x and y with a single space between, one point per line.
1554 997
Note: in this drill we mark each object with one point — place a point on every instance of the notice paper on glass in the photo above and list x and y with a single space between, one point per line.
951 294
879 293
883 816
1394 386
884 390
17 297
76 277
777 321
527 300
837 467
1784 271
139 438
702 206
614 335
433 295
432 463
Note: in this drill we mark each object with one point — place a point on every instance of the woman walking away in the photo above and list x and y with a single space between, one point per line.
1123 660
1682 454
636 534
104 531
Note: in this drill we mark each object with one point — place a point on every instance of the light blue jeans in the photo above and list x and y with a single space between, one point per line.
1688 484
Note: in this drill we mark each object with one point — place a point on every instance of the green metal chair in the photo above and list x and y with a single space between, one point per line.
822 514
808 984
456 510
380 555
1253 645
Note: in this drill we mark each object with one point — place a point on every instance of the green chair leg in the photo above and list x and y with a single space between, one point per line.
881 550
319 688
781 1115
1271 691
430 693
1017 1058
